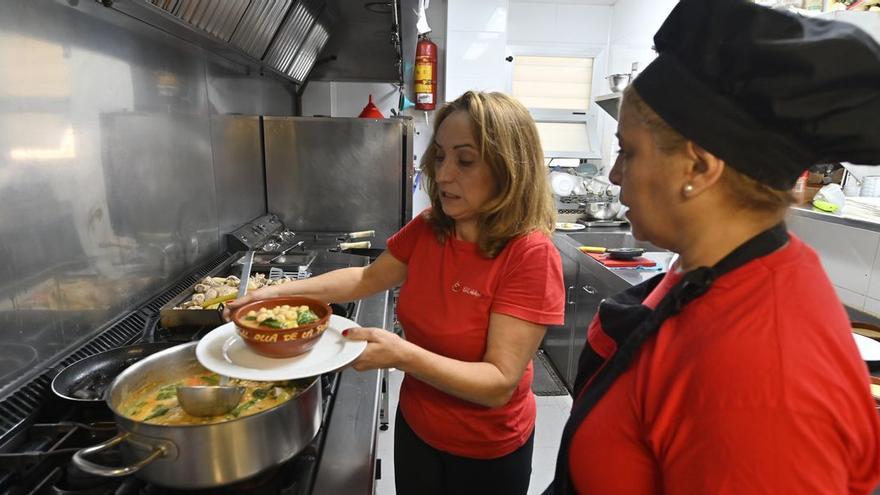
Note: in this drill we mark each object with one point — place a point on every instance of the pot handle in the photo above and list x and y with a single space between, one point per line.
79 458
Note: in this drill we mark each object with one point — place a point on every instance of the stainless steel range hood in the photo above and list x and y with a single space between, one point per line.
287 35
342 40
284 36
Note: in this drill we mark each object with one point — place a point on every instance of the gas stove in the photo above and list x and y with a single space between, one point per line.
40 461
39 432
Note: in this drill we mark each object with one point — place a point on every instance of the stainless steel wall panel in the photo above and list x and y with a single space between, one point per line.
293 33
339 174
259 24
107 171
216 17
232 90
238 170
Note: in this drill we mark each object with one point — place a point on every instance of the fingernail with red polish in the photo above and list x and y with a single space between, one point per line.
345 333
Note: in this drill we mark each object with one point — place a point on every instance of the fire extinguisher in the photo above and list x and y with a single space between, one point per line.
425 76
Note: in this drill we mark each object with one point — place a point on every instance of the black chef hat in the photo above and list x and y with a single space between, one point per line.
770 92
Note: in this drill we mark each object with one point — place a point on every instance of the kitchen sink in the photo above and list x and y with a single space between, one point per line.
611 240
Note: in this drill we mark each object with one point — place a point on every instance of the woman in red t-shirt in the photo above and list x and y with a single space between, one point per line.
735 372
480 281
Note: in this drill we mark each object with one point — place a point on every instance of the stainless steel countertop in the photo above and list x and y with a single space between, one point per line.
348 458
632 276
809 212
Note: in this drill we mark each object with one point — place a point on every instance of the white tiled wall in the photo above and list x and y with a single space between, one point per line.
558 24
849 256
633 24
477 15
476 46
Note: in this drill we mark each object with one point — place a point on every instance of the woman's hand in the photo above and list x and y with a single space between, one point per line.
384 349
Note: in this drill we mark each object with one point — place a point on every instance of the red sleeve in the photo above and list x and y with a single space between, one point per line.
531 286
402 244
756 451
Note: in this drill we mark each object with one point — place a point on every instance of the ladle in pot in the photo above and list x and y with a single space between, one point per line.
212 400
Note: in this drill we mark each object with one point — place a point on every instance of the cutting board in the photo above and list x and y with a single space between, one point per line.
611 263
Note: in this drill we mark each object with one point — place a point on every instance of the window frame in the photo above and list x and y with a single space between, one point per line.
588 116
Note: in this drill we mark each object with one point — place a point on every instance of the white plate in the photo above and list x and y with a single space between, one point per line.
569 226
868 347
222 351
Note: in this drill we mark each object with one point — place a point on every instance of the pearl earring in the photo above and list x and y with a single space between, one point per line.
688 189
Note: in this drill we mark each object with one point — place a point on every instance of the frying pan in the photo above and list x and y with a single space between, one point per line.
87 379
624 253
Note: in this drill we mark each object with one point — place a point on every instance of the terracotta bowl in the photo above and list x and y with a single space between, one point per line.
283 343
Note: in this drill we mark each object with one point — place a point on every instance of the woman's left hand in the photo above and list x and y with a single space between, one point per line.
384 349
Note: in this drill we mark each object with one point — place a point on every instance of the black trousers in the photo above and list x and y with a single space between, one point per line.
420 469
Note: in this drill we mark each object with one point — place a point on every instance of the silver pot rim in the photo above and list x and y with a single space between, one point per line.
143 363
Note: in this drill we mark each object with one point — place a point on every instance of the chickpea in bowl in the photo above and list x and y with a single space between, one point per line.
282 327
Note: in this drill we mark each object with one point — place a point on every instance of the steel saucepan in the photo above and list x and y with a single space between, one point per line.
204 455
600 210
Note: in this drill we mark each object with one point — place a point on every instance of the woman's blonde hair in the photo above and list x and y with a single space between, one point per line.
748 192
509 143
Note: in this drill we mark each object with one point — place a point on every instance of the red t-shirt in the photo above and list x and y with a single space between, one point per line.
756 387
444 306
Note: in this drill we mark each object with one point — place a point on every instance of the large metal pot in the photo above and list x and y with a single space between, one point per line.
600 210
201 456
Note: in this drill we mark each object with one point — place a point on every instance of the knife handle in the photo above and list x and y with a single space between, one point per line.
363 234
592 249
354 245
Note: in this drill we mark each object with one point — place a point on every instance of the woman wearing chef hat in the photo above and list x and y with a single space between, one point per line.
736 371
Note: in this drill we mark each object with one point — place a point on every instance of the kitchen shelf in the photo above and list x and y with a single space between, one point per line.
609 103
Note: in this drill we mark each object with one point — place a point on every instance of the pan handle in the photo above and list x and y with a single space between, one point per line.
79 458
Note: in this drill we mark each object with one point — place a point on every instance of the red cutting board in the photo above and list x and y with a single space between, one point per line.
611 263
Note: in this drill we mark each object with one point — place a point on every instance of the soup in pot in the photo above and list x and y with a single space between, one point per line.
157 403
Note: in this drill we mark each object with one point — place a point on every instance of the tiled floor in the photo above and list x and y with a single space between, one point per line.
552 413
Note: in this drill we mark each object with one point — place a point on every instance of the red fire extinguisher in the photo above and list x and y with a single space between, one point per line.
425 77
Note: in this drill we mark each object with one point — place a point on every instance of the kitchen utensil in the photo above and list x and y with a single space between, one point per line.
618 82
276 273
627 263
371 111
344 246
363 234
568 226
282 253
211 400
223 351
600 210
245 273
201 456
87 379
562 183
624 253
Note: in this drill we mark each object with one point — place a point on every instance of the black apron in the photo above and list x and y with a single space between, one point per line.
629 323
